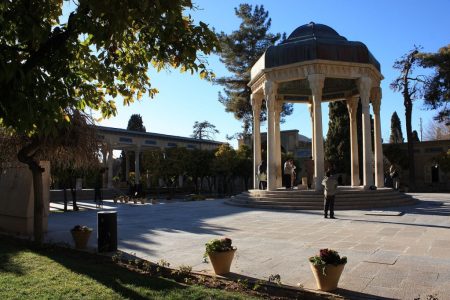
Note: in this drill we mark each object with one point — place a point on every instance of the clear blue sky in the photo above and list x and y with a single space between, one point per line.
389 29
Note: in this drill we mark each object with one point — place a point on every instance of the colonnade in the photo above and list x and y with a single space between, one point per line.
368 93
108 162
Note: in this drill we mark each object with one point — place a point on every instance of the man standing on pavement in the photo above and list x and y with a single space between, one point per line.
330 189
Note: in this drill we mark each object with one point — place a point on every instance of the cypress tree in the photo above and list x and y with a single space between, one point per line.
396 130
337 144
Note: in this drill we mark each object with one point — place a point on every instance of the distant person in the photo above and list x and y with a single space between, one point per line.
388 179
262 175
293 173
287 173
330 188
395 177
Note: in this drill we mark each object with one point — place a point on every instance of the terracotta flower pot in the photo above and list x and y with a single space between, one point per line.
81 238
329 281
221 261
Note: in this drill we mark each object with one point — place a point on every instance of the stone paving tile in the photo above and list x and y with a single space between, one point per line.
441 244
438 252
389 278
354 283
365 270
366 247
383 257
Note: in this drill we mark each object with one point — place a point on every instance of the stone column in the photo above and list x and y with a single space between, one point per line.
105 165
137 172
364 87
311 114
256 106
279 174
270 93
379 170
127 166
352 106
110 167
316 82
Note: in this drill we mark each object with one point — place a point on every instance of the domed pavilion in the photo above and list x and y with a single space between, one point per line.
315 65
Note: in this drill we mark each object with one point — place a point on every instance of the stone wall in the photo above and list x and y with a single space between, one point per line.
16 198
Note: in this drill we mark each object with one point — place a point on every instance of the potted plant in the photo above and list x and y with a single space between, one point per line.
327 268
220 253
81 236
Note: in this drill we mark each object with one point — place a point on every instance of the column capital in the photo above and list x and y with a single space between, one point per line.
256 99
376 99
364 86
316 83
270 89
352 106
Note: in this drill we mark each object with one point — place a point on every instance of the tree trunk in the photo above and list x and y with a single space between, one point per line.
26 156
412 173
65 197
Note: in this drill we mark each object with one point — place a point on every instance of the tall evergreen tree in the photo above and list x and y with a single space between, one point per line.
415 136
204 130
239 52
396 136
337 144
135 123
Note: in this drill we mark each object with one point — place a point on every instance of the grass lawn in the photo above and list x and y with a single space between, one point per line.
27 272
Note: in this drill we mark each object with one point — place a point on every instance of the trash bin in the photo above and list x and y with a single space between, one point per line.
106 231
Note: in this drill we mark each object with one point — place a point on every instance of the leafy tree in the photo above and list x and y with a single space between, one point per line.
52 69
437 88
199 166
396 155
224 165
411 88
240 51
244 164
204 130
337 144
396 136
444 161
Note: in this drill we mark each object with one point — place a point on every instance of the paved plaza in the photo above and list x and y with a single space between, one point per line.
389 256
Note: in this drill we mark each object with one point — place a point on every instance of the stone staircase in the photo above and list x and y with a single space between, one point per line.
347 198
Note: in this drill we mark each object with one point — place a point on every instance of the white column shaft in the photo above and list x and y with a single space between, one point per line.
269 93
137 172
127 166
316 82
256 104
279 173
110 167
379 168
352 105
364 90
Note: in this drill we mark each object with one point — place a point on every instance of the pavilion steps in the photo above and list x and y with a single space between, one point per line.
346 199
